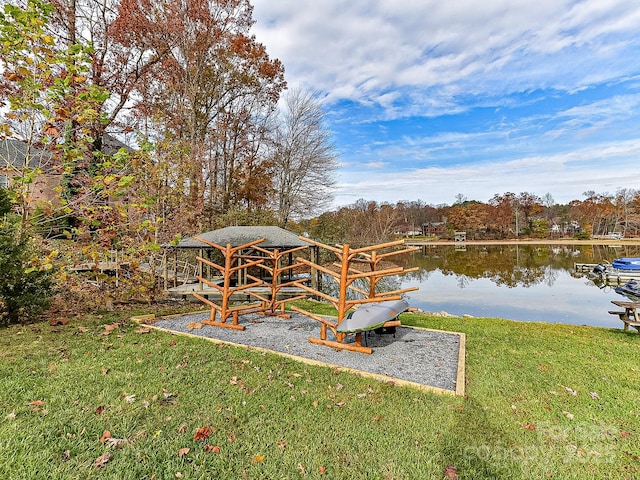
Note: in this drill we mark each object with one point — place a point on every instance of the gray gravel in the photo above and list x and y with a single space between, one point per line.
424 357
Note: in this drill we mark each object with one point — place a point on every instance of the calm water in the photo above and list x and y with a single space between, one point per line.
530 283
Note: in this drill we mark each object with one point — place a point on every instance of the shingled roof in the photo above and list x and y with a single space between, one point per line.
14 152
274 237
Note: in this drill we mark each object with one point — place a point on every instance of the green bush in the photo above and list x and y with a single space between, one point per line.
25 290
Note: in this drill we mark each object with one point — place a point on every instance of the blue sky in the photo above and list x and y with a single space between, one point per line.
428 99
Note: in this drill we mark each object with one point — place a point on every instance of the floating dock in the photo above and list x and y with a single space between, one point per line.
610 276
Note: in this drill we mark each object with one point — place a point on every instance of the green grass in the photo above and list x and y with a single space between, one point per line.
273 417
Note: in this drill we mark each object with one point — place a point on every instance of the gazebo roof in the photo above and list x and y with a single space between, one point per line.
274 237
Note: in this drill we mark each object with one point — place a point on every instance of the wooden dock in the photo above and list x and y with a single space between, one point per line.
210 292
610 276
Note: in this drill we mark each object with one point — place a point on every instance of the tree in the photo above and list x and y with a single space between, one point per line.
504 208
304 159
624 202
529 204
460 199
213 89
49 100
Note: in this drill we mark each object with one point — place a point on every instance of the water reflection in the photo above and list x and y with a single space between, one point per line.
522 282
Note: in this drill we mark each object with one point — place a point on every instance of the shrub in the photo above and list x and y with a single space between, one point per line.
25 289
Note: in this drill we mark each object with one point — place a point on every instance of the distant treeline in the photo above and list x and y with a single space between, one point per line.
505 216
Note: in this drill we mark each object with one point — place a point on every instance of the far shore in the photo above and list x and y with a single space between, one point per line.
543 241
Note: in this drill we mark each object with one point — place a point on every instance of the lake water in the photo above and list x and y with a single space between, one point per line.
519 282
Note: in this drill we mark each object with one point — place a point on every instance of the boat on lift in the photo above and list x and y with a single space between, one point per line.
627 264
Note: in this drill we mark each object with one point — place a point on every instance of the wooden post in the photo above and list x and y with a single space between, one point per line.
344 272
200 271
165 271
314 273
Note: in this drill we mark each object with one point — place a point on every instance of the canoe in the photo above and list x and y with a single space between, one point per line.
370 316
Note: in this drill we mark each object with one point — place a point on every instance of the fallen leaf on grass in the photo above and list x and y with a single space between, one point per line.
569 415
102 460
322 470
99 410
36 403
110 328
105 371
303 471
594 395
202 434
83 329
212 449
143 330
58 321
258 458
450 472
183 451
182 428
130 398
106 434
168 398
571 391
529 426
116 442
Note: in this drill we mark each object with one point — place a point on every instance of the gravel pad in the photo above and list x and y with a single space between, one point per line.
425 357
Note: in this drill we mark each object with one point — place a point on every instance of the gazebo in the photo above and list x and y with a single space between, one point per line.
184 275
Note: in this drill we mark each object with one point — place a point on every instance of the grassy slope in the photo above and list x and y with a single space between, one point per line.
276 418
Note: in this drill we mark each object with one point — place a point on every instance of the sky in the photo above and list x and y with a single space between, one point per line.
429 99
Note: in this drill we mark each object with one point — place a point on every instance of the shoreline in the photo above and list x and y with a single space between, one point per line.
567 241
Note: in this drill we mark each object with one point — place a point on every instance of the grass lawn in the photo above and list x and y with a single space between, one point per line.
104 398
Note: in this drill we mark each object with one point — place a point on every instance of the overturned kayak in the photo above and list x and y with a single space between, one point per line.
370 316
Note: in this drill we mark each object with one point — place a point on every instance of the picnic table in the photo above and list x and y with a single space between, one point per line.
629 315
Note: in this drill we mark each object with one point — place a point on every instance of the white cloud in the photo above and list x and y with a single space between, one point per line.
562 174
360 49
375 165
540 67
